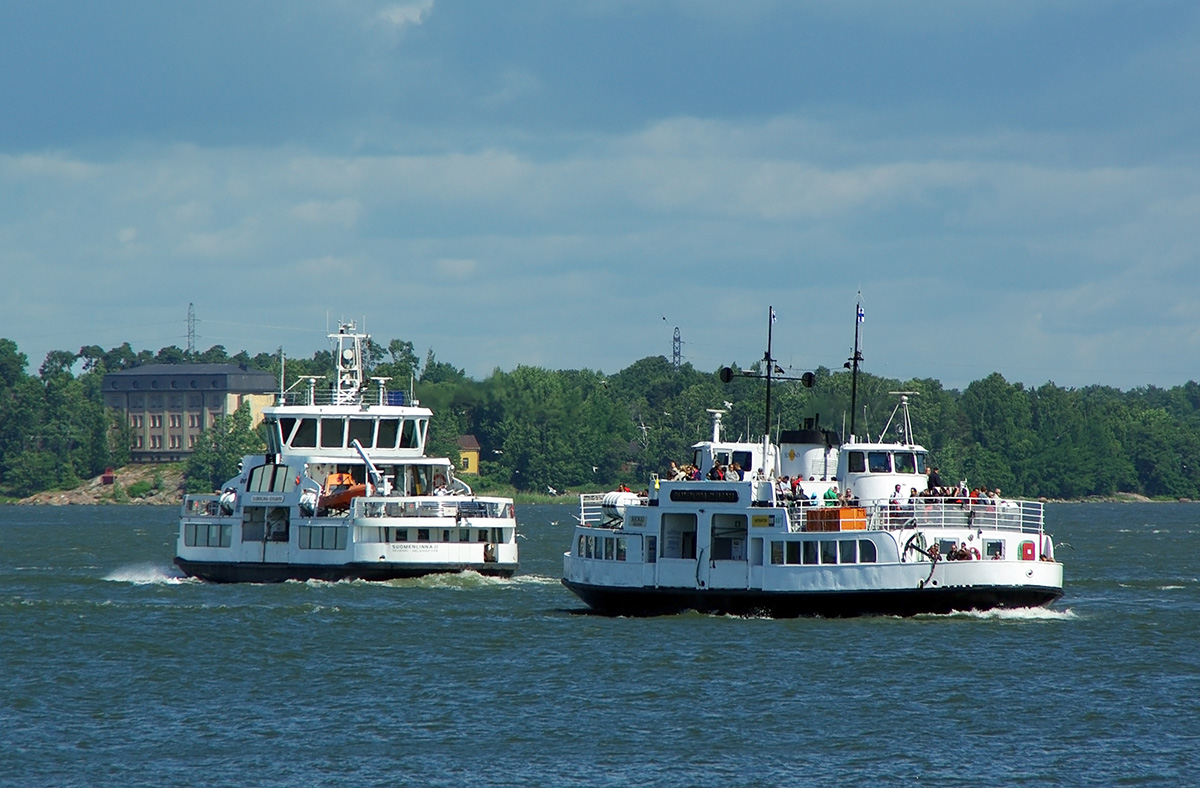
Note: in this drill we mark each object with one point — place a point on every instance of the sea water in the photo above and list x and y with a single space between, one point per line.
116 671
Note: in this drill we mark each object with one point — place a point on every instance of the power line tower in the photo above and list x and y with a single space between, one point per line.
676 350
191 348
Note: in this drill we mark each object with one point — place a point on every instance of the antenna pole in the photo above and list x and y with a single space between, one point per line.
854 361
770 369
191 328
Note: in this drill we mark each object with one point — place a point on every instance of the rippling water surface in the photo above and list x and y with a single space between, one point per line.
116 671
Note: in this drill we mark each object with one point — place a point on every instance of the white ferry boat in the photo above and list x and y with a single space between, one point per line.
751 545
345 491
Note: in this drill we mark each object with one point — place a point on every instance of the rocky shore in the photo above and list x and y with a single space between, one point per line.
152 485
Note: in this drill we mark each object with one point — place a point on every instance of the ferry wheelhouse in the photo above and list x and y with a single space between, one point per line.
345 491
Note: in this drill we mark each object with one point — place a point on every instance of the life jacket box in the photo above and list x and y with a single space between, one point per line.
836 518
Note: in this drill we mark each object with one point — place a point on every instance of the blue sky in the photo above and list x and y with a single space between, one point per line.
1013 186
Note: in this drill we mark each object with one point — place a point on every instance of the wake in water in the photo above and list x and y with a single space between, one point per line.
1017 614
456 581
149 574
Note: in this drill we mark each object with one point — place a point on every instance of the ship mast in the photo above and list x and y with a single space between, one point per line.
853 363
770 362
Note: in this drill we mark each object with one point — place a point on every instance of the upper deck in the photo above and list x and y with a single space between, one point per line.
760 497
314 419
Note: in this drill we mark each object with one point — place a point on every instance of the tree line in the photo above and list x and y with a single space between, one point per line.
543 429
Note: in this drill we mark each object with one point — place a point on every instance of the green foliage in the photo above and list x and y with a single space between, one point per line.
543 429
139 489
219 449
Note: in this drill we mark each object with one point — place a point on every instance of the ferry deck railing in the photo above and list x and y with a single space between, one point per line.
433 506
379 507
1005 515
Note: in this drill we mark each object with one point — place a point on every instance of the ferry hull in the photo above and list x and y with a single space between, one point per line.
607 600
246 572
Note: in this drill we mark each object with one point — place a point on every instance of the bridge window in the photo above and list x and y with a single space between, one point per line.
306 434
333 433
363 431
879 461
905 462
857 462
388 430
408 435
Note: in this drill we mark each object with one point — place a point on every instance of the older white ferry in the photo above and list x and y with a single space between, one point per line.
345 491
752 547
858 533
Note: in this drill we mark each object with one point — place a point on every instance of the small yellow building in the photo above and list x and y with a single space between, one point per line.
468 454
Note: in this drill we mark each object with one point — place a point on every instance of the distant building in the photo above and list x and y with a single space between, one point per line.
168 405
468 454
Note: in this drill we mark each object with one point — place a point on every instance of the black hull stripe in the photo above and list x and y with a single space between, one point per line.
277 573
793 604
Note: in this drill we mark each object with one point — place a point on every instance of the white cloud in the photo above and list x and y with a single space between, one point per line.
407 14
459 269
344 211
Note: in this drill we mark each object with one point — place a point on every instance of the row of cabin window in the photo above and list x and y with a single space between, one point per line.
322 537
337 433
207 535
386 534
882 462
607 548
825 551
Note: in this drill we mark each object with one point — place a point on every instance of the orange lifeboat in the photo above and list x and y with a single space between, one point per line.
340 489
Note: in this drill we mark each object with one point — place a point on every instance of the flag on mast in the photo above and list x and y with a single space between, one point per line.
861 315
772 314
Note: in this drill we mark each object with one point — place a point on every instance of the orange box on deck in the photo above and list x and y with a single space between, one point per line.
836 518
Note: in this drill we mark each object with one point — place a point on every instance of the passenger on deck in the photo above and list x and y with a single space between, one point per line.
783 488
831 496
733 473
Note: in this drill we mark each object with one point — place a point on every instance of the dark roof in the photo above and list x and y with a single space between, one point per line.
468 443
188 369
195 377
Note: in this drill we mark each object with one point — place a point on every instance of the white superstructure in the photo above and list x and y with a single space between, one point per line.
345 491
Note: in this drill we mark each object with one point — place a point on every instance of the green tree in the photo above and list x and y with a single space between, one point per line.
220 449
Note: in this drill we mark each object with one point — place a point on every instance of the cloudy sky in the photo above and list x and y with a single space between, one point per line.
1013 186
